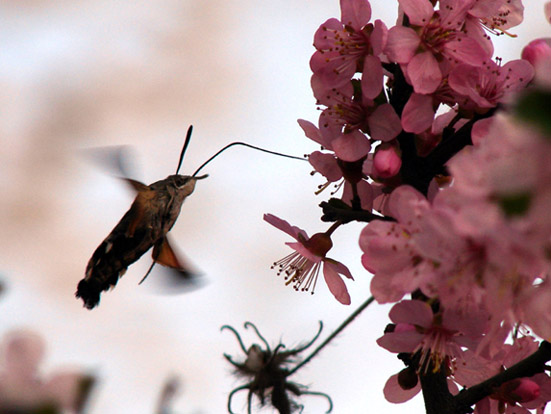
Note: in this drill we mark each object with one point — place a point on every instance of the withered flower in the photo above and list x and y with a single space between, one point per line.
268 372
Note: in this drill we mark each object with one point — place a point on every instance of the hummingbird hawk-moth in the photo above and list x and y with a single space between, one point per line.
146 224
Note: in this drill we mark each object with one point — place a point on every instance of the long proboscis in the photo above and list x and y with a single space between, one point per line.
249 146
186 143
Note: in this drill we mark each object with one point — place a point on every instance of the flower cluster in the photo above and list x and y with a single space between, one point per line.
444 150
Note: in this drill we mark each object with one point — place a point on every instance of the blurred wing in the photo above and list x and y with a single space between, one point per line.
117 161
177 275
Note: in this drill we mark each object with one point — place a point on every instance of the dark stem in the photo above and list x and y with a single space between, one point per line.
337 210
333 335
439 400
528 367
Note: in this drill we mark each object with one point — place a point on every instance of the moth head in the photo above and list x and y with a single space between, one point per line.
185 183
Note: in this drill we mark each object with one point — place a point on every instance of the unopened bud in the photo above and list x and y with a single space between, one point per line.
537 50
527 390
387 161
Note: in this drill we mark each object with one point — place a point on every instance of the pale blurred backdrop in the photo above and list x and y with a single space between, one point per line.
77 75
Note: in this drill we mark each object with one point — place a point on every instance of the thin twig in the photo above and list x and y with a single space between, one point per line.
335 333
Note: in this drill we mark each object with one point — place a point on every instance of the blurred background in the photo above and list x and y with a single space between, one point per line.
80 75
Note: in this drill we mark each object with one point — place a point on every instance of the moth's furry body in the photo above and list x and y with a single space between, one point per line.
151 216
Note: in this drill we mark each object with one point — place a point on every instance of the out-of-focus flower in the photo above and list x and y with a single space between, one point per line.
515 396
302 267
488 85
538 53
23 390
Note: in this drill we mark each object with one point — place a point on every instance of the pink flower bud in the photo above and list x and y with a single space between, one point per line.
527 390
537 51
387 161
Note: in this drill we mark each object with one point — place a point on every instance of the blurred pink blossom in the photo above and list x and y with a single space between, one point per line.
21 386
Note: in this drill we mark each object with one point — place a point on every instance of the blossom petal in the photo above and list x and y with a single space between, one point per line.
400 341
418 113
406 203
394 393
424 73
382 290
418 11
311 131
414 312
384 123
379 37
466 50
401 44
335 283
305 252
339 267
372 79
284 226
355 13
352 146
326 164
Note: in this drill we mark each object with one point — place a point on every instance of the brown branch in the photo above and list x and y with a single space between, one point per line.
528 367
439 400
337 210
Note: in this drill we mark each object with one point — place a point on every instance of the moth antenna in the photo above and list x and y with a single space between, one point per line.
186 143
249 146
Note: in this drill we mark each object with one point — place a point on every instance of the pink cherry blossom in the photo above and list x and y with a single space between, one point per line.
490 84
497 16
439 337
340 44
302 267
459 253
435 40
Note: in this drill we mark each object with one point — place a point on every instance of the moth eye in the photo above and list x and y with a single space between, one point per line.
182 185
